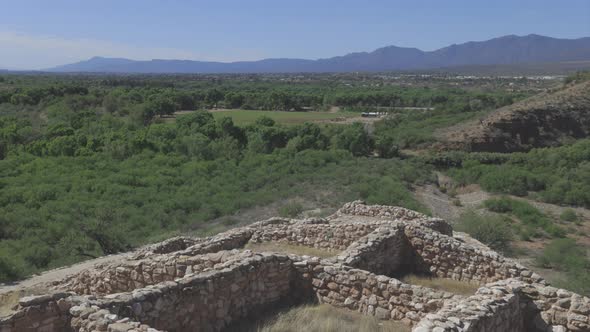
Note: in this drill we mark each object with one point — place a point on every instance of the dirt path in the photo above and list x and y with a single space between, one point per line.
443 205
41 281
437 202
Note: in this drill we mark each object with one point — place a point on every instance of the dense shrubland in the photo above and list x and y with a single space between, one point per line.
93 172
494 231
569 257
240 92
556 175
95 165
534 223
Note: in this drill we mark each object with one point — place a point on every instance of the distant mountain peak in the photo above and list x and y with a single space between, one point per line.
504 50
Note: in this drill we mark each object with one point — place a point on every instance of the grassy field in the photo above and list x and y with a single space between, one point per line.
242 117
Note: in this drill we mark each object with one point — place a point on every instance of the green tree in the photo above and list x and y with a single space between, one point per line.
212 97
355 139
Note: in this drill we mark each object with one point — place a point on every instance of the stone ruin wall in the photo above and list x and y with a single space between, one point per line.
150 267
447 257
386 251
512 305
188 284
358 208
375 295
129 275
210 300
314 233
40 313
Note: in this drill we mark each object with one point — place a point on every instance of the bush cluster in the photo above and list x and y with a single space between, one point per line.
493 231
532 218
556 175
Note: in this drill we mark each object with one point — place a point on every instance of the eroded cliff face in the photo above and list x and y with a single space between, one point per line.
543 120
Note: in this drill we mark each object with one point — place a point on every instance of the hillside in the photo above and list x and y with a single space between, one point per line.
360 251
506 50
543 120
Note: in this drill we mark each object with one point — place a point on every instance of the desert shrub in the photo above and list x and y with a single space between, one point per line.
290 210
8 269
526 213
493 231
499 205
558 175
385 190
511 181
577 280
567 256
568 215
563 254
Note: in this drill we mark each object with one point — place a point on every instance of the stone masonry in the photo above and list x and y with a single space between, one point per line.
206 284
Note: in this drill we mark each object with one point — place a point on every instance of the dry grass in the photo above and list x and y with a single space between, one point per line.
447 285
7 301
10 299
285 248
325 318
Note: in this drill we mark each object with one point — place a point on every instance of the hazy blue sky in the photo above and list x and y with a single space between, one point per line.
42 33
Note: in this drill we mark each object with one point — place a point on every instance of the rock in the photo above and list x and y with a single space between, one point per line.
28 301
382 314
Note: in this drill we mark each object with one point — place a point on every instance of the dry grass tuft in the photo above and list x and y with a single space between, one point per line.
7 301
325 318
443 284
285 248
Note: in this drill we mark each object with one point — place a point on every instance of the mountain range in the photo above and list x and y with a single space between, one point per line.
506 50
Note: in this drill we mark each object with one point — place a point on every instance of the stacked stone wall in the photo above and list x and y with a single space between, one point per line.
229 240
210 301
447 257
318 235
129 275
93 318
47 313
512 305
171 245
386 251
375 295
359 208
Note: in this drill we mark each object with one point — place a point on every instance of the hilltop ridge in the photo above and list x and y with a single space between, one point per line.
543 120
506 50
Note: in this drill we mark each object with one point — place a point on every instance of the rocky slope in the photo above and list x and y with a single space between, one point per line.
543 120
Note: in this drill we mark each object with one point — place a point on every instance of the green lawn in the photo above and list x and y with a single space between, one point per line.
242 117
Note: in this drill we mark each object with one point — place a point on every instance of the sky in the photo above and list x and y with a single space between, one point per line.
37 34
